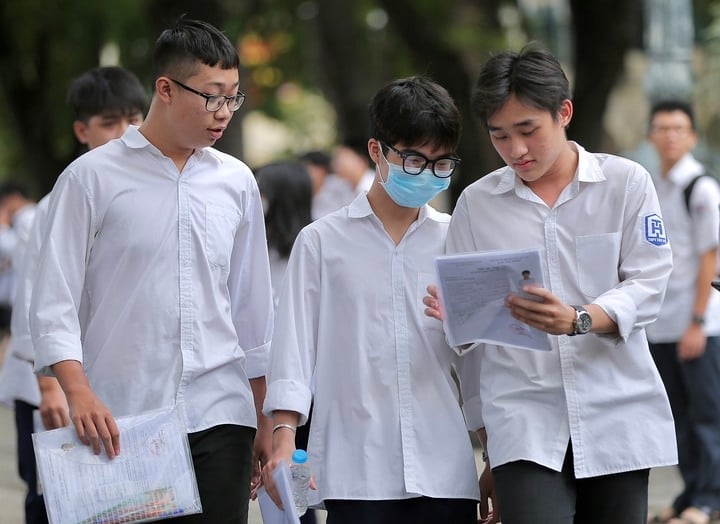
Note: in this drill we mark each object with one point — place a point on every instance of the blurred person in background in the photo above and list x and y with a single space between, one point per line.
330 192
105 101
352 163
685 339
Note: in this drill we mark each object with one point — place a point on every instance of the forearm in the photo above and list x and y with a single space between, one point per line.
71 376
48 384
291 418
601 321
259 389
707 272
482 435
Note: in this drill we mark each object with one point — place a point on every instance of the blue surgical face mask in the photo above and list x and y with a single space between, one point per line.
412 190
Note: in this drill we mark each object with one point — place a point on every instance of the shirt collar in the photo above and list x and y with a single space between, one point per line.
360 208
134 139
685 169
588 170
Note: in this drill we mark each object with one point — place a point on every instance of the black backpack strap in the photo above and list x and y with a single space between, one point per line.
687 192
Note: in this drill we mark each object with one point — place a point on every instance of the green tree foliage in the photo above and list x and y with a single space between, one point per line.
43 45
342 50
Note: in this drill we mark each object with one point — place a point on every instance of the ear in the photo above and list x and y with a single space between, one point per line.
80 130
163 89
374 150
566 113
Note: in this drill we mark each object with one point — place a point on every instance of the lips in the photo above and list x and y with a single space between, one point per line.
525 164
217 132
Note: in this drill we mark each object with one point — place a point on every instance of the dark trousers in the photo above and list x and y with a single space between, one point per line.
693 388
532 494
34 503
420 510
222 459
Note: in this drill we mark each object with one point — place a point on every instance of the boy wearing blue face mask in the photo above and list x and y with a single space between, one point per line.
388 442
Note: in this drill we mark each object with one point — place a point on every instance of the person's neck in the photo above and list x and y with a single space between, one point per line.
667 166
155 131
551 184
395 219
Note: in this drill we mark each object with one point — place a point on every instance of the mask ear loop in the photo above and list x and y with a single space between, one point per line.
377 166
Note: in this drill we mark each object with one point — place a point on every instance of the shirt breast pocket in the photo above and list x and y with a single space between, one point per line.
597 262
221 223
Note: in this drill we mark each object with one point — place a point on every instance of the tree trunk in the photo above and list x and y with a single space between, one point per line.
603 33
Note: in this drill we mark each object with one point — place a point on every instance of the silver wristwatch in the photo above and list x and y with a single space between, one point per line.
583 321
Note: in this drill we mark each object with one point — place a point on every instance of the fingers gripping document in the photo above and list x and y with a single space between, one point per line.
152 478
473 288
271 514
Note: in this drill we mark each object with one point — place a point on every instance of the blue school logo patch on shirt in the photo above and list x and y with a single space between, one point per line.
655 230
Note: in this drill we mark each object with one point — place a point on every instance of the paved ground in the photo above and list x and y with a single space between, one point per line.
664 482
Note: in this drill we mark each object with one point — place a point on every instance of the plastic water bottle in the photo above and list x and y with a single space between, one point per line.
300 476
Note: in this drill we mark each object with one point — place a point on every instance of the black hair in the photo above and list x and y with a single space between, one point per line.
104 90
12 187
533 75
316 158
415 111
668 106
179 48
287 190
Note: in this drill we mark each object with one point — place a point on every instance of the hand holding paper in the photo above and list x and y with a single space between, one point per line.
474 288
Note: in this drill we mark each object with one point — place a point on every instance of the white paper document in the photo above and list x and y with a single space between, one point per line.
473 289
152 478
271 514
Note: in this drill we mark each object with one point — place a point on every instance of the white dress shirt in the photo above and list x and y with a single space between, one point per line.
690 238
17 379
157 281
386 422
601 243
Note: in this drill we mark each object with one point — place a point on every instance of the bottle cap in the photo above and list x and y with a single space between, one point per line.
299 456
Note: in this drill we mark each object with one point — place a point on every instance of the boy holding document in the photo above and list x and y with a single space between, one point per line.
153 283
571 432
388 442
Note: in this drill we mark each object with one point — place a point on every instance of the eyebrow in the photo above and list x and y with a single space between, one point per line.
524 123
222 85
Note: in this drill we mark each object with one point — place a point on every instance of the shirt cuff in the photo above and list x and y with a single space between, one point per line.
288 395
50 350
257 361
472 408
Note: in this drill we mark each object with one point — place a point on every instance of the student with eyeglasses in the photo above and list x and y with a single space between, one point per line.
388 442
685 340
153 283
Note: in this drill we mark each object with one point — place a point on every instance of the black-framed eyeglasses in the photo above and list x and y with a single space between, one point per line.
214 103
415 163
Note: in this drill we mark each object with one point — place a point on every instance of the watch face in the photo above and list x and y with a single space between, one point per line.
584 322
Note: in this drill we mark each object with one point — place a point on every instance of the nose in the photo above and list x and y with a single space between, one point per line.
518 149
224 111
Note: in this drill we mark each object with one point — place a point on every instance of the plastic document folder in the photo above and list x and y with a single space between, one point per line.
152 478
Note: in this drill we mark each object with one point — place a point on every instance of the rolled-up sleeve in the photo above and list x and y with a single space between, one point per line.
55 301
645 261
250 288
293 351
